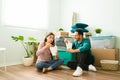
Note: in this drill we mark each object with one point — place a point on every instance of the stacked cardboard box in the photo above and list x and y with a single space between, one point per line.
61 34
109 64
104 54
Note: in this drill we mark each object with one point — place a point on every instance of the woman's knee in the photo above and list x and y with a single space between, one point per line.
39 66
61 61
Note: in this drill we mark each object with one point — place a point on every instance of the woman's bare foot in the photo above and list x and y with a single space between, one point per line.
44 70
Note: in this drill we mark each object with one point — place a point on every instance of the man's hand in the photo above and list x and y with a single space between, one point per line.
66 41
70 50
73 50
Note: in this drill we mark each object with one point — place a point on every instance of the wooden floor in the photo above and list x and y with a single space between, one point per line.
20 72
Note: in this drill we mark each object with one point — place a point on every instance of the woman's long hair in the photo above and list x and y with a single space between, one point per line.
45 40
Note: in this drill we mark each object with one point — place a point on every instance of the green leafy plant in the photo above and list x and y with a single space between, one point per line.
28 46
98 30
61 29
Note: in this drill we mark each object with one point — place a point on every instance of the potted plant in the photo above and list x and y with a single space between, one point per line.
98 31
61 29
29 48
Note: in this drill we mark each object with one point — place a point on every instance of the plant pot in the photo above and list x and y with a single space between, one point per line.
97 34
28 61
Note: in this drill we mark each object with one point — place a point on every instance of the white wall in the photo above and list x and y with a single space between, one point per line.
54 16
95 13
15 50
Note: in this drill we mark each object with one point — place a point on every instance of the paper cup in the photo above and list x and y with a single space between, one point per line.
69 45
53 50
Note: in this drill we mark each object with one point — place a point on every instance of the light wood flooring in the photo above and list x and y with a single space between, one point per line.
20 72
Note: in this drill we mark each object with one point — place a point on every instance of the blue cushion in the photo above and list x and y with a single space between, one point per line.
84 30
79 25
72 30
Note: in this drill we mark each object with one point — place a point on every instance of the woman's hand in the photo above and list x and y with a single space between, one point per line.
56 57
48 45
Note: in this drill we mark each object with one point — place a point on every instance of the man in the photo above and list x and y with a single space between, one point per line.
85 60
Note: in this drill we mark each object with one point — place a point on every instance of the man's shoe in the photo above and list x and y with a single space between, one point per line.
78 72
92 68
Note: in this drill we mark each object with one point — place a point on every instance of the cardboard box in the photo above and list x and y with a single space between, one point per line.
104 54
109 64
61 34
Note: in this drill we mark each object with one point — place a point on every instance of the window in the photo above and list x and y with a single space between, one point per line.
25 13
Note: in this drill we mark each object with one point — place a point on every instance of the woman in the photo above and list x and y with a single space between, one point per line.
44 56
